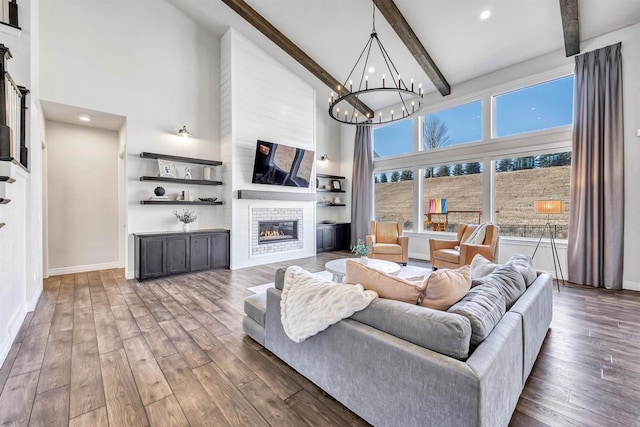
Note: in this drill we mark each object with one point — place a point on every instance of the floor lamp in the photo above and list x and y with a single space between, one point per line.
550 207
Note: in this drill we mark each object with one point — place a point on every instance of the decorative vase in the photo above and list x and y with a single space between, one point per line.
185 227
159 191
364 260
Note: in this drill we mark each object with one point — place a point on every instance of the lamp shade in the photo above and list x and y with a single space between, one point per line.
549 206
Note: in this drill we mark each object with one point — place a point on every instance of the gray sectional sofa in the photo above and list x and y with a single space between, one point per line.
396 364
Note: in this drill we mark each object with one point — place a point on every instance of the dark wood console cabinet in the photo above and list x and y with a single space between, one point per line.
164 254
333 237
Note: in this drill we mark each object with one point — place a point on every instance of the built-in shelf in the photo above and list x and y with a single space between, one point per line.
180 180
180 159
327 205
328 190
7 179
178 202
4 201
323 175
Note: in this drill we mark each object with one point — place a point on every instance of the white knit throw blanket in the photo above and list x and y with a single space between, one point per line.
310 304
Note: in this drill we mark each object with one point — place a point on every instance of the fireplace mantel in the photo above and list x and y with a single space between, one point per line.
276 195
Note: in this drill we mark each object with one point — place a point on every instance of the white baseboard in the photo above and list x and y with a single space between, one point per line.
632 286
31 305
83 268
12 330
419 255
129 275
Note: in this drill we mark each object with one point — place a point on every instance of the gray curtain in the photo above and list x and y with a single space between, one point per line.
362 184
596 225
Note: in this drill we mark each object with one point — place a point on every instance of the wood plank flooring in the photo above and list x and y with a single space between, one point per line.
100 350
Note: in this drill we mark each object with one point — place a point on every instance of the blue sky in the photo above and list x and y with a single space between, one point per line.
533 108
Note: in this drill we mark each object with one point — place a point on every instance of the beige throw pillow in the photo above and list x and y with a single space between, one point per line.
478 235
446 287
389 287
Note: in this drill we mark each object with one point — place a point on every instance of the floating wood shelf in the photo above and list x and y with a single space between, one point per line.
180 159
178 202
328 190
323 175
7 179
328 205
275 195
4 201
180 180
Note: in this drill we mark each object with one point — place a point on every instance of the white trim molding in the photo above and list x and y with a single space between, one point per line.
83 268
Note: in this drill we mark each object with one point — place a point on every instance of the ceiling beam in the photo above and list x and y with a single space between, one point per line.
570 26
265 27
393 15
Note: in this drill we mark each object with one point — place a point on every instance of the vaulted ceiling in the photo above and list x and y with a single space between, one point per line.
462 45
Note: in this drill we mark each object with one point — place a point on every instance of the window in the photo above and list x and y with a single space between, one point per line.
452 195
534 108
520 182
394 139
394 197
453 126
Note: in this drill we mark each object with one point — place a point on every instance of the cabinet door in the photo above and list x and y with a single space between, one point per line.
343 237
329 239
319 238
200 252
177 254
220 250
153 254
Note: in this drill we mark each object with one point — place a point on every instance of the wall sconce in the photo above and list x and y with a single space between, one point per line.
325 157
184 132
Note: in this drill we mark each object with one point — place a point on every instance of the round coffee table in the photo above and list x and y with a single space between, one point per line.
338 267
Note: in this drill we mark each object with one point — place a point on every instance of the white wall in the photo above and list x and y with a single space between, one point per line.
263 100
82 198
146 61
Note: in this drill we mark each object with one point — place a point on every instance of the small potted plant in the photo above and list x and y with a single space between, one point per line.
186 217
362 250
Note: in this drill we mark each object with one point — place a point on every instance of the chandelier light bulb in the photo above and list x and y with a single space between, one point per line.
350 85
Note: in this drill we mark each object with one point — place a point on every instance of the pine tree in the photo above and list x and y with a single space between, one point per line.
407 175
472 168
428 172
376 178
395 176
443 171
383 177
505 165
458 170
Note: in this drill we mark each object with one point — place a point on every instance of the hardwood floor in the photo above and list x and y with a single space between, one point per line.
100 350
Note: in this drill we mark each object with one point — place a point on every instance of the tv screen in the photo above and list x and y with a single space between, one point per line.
278 164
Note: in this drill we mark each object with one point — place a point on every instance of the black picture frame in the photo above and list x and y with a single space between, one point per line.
336 185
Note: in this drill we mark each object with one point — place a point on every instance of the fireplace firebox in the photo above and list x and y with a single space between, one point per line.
277 231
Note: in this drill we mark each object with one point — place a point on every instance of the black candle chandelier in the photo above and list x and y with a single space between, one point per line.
349 106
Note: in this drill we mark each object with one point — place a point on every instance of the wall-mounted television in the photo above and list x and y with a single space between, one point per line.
278 164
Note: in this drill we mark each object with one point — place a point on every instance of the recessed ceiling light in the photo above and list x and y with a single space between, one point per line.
371 70
485 14
85 117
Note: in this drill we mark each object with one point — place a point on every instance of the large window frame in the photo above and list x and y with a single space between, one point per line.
487 151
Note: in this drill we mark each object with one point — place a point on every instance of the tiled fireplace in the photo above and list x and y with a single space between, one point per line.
276 230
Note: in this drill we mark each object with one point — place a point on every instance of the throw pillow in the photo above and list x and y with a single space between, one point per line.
524 265
508 281
480 267
478 235
445 288
484 306
390 287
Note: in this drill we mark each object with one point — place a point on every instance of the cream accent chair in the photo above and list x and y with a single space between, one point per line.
445 255
388 242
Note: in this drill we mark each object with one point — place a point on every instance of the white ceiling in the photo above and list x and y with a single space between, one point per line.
70 114
334 32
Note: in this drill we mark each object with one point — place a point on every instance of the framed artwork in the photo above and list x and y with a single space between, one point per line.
335 184
167 169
